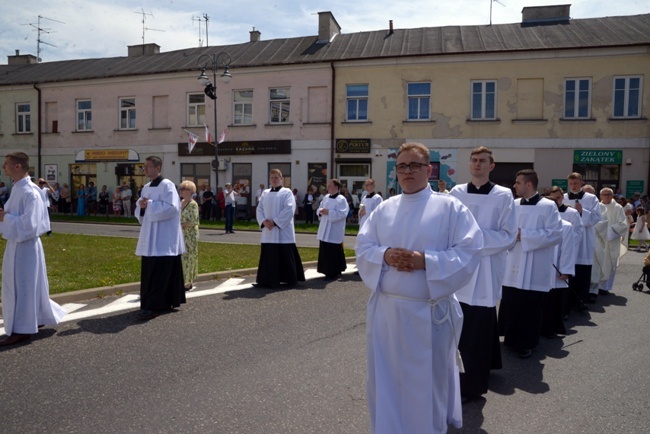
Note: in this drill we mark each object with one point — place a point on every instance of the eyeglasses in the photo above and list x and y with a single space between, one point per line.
412 167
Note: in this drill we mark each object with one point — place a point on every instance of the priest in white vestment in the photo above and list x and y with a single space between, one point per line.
493 208
160 244
529 273
279 258
616 230
587 205
414 251
25 289
332 213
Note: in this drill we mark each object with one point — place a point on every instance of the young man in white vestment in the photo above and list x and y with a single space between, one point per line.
369 202
587 205
559 295
493 207
616 230
279 258
564 265
25 289
414 251
332 213
160 243
529 273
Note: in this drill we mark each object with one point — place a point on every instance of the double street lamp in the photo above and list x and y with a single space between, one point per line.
215 61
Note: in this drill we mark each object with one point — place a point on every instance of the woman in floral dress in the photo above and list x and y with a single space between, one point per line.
190 225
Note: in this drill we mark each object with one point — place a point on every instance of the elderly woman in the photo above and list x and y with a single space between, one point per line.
190 226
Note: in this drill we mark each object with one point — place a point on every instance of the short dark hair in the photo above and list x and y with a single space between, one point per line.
555 189
337 183
156 161
529 176
483 150
19 158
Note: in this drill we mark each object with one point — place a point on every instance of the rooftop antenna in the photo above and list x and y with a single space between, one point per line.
144 19
40 30
199 19
493 1
206 18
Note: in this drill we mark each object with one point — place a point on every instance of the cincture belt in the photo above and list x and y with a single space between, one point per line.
447 317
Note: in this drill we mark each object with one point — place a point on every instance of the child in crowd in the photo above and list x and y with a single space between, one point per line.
640 232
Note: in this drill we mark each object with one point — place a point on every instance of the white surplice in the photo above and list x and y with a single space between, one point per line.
331 228
591 215
161 233
616 230
529 265
565 255
495 215
280 207
25 289
369 204
413 319
599 269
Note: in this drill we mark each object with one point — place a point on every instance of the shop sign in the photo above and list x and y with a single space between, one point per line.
597 156
561 182
106 154
353 146
632 187
253 147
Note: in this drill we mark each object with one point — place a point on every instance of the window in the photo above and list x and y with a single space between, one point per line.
243 107
484 100
357 95
627 97
23 118
195 109
279 100
419 101
577 98
127 113
84 115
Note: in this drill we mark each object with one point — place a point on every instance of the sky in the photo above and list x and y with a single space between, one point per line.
73 29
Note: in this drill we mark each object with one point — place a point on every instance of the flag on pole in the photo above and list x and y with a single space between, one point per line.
191 141
222 137
208 136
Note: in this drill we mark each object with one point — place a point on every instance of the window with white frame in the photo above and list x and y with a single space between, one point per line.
577 98
195 109
357 99
627 97
243 107
484 100
279 105
127 113
84 115
419 101
23 118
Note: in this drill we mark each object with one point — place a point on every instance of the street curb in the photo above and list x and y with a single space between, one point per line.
134 287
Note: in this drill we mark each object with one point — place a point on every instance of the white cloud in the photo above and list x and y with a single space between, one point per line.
104 28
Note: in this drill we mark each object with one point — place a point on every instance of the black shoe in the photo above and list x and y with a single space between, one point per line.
603 292
524 354
146 315
592 298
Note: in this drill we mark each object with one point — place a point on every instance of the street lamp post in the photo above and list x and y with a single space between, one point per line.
214 61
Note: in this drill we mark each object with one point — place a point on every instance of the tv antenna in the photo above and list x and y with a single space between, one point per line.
144 20
494 1
40 30
207 40
200 20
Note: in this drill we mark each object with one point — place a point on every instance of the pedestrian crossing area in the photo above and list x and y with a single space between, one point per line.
109 305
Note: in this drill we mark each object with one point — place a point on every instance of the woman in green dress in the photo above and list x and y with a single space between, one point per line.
190 225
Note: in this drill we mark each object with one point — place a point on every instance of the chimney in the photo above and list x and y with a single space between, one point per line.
328 28
255 35
22 59
143 50
390 27
545 15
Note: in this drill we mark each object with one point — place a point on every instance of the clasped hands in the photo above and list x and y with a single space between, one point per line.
143 202
404 259
268 224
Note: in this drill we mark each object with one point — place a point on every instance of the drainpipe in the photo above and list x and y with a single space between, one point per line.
332 139
38 158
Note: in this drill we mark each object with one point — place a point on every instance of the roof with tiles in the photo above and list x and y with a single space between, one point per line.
578 33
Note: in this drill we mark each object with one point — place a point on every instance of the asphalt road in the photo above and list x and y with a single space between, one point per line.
243 360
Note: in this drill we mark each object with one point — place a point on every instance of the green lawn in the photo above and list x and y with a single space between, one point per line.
77 262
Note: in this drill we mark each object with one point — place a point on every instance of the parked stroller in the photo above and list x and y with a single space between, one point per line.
638 285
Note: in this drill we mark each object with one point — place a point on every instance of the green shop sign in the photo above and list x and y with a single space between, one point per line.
600 156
